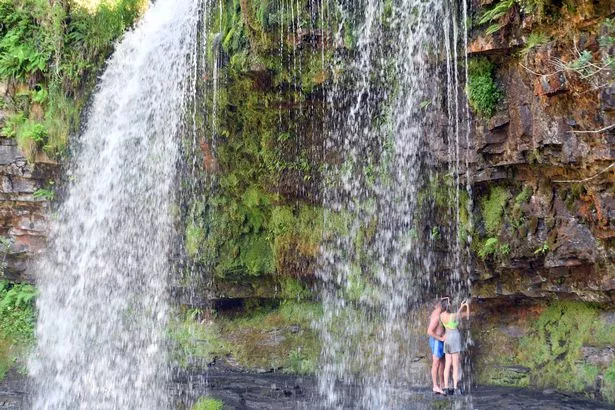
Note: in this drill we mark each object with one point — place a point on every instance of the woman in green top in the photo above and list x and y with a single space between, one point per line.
452 343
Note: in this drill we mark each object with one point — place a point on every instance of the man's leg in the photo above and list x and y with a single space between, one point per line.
435 372
441 372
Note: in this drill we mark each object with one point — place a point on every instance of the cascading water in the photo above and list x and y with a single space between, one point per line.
103 282
400 100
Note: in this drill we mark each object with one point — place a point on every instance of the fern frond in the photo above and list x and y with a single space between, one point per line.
497 11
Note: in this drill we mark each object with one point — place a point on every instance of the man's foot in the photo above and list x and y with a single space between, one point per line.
458 392
437 390
449 391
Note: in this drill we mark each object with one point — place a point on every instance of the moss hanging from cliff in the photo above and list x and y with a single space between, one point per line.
260 220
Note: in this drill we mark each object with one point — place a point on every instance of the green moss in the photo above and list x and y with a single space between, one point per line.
504 376
293 289
483 94
492 246
194 234
524 196
492 209
553 347
208 403
195 341
275 338
608 386
552 350
356 285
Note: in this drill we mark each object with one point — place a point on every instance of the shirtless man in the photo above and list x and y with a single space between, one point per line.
436 343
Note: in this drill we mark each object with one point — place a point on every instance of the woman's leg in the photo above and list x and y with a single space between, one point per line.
455 360
447 369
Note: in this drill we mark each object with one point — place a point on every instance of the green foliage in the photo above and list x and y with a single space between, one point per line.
425 104
489 247
293 289
435 234
608 387
275 338
492 209
55 49
534 40
483 93
524 196
12 124
554 345
194 235
497 12
492 246
16 323
517 211
598 71
300 363
195 341
542 249
208 403
534 7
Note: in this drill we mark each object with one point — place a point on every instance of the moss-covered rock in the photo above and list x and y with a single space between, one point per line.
562 345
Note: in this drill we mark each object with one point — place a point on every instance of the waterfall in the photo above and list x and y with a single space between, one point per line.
397 132
103 281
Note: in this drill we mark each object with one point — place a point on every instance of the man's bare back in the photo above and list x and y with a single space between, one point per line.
435 328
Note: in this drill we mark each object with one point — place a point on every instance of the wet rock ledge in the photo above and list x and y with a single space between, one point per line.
269 391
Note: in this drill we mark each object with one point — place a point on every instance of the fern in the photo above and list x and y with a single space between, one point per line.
496 12
494 28
44 194
534 40
16 296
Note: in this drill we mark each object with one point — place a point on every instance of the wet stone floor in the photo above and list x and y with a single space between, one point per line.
276 392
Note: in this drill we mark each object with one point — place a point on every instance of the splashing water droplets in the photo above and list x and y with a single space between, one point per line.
103 282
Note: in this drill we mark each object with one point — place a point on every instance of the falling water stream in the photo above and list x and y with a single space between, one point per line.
104 280
378 264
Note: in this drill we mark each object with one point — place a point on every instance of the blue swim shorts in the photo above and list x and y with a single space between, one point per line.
437 347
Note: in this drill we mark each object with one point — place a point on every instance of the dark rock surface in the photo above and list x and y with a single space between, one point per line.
277 391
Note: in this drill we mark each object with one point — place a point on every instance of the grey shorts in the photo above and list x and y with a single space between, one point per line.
452 344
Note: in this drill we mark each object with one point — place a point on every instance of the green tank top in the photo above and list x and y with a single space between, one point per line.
452 324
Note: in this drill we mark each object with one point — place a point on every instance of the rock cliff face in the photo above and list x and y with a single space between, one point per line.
544 199
24 211
549 150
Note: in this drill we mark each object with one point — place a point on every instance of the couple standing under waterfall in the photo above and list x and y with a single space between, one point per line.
445 344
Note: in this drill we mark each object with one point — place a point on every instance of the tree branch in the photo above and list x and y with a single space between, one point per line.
576 181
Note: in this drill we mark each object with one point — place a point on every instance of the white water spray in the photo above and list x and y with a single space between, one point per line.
378 262
104 280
